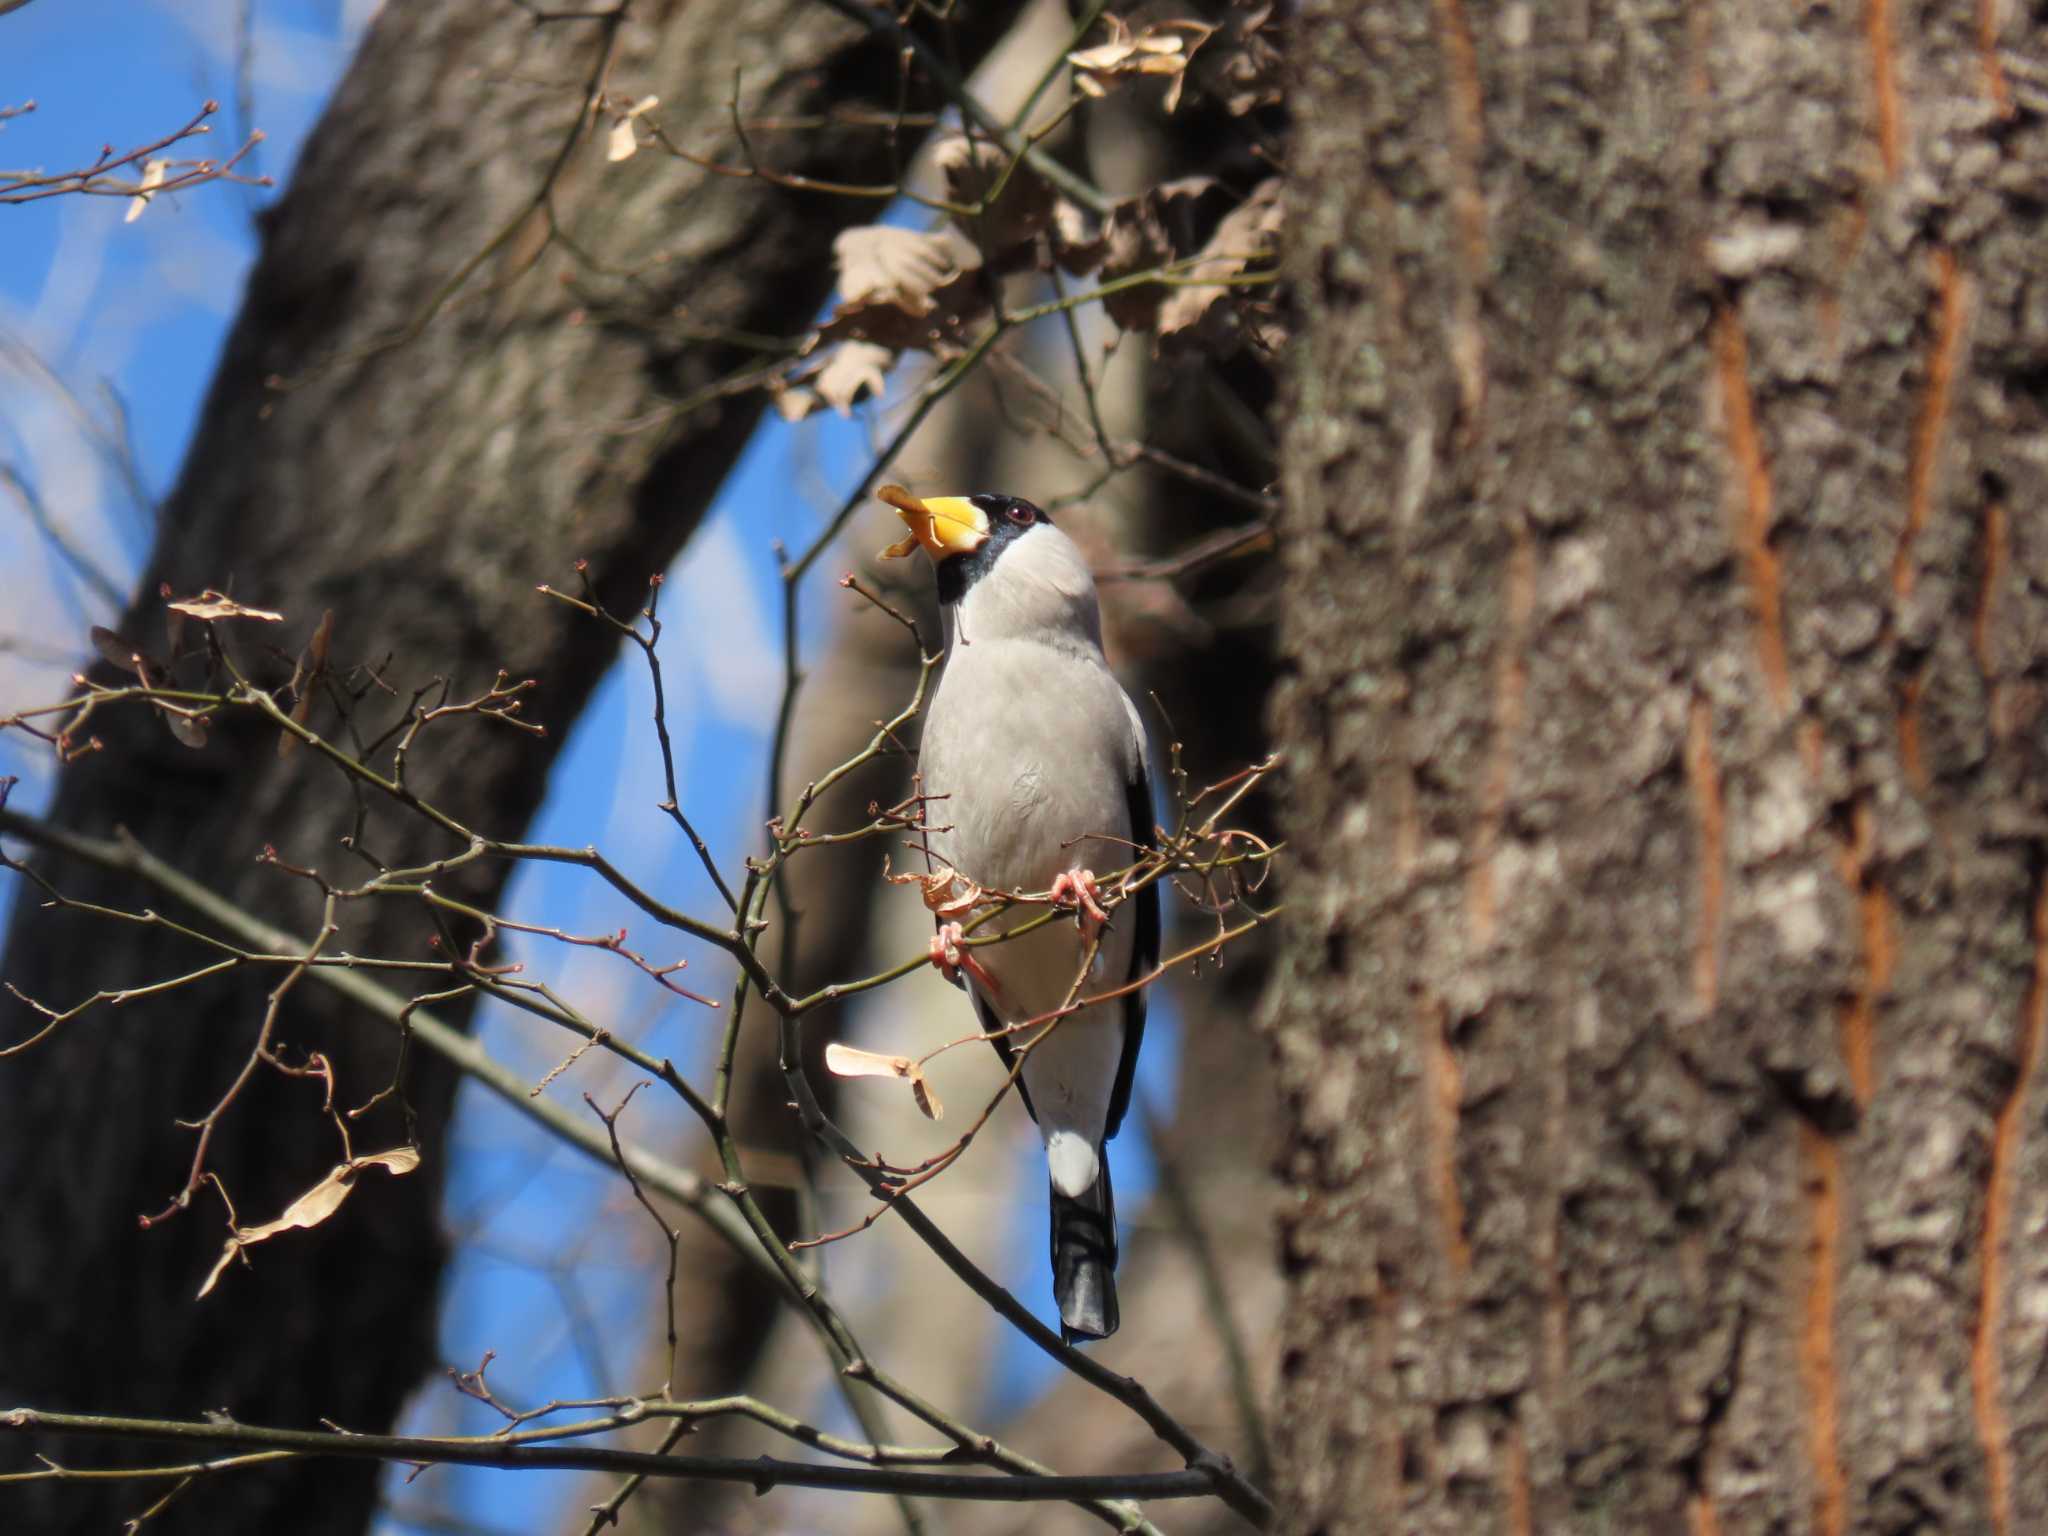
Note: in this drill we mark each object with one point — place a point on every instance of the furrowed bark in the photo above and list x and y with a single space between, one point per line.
1659 1012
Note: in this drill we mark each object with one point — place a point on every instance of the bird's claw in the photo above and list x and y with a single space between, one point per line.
950 954
945 950
1077 888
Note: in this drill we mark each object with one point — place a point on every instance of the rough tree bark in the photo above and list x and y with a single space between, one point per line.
419 489
1661 1011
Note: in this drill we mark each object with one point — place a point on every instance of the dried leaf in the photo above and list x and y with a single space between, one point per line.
215 605
152 178
904 267
116 651
190 730
623 143
1148 231
1165 48
305 678
946 891
1006 231
1246 235
793 402
908 330
903 288
323 637
1249 72
1079 239
854 369
850 372
314 1206
851 1061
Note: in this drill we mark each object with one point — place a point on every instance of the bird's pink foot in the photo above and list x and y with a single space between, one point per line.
1077 889
946 952
949 952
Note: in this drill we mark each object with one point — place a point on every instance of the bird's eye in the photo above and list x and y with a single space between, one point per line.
1022 513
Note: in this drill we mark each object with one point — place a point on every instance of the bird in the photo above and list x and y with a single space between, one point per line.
1033 764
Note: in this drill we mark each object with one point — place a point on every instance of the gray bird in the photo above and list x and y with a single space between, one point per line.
1034 759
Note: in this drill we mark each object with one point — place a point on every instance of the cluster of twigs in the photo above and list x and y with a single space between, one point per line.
1200 852
141 173
205 679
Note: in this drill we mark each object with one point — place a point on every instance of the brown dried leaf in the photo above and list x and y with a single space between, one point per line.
1249 72
855 369
1147 231
924 329
946 892
792 402
849 373
972 168
216 605
118 652
314 1206
904 267
903 289
1164 48
1245 236
323 637
1079 240
305 678
190 730
851 1061
623 142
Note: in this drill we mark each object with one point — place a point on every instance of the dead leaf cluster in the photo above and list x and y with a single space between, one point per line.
909 290
1164 49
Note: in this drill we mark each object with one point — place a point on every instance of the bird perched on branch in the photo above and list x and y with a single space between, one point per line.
1033 764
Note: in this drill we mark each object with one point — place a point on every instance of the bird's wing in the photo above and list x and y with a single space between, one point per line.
1145 945
999 1037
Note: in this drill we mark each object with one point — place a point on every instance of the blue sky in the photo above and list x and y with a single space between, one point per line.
142 308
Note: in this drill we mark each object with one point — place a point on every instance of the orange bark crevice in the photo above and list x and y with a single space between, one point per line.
1986 1376
1521 1501
1820 1162
1510 687
1466 108
1442 1086
1468 128
1877 953
1710 817
1877 21
1911 757
1951 295
1987 54
1760 567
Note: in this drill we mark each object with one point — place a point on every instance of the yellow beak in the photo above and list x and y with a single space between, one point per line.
943 525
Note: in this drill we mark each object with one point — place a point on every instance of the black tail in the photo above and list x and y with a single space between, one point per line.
1084 1258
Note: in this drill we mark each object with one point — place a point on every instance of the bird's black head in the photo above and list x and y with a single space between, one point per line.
1009 519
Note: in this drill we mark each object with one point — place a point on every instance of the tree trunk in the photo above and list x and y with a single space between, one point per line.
1660 1012
417 466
